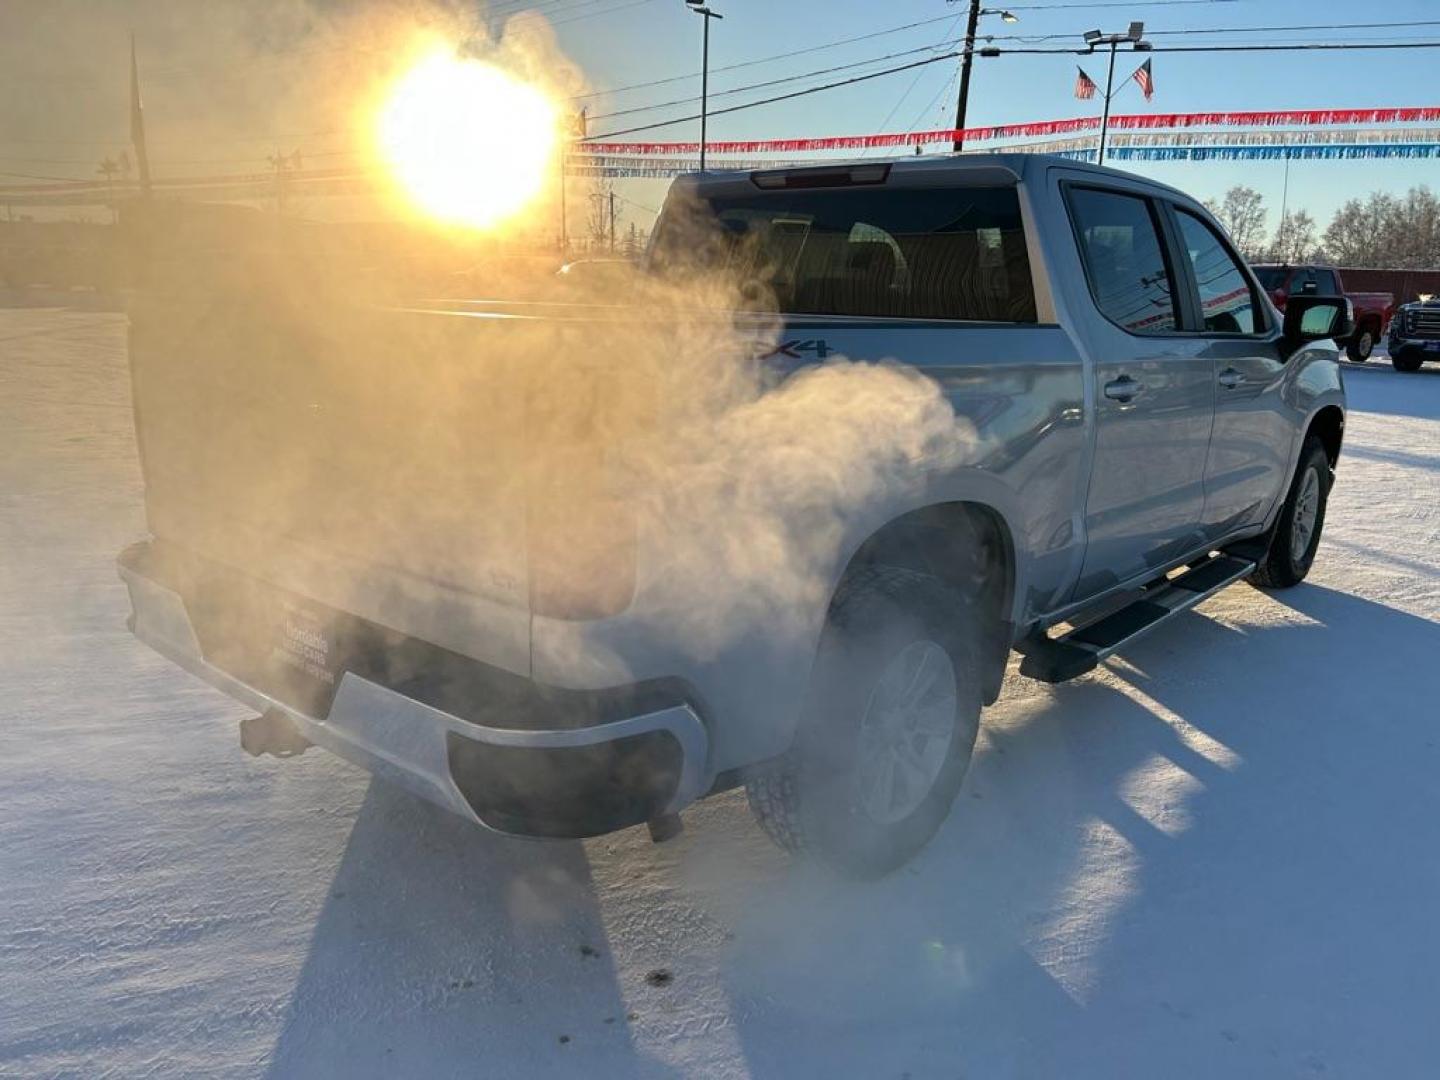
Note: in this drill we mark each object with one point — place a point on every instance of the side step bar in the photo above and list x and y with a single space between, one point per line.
1058 659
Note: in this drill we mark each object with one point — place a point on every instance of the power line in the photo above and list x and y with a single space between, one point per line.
1111 4
1310 46
779 97
916 82
60 179
1408 24
1324 46
910 52
603 11
765 59
638 205
770 82
1198 31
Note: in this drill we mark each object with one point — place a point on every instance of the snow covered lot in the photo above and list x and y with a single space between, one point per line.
1219 856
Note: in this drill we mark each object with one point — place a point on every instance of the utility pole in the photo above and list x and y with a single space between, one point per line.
1134 38
967 57
699 7
108 169
579 129
283 165
612 221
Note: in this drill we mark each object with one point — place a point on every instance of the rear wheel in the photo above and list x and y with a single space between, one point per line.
888 730
1297 532
1359 347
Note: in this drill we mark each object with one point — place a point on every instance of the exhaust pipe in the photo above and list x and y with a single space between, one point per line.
665 827
272 732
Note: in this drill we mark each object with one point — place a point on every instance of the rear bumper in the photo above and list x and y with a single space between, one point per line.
546 762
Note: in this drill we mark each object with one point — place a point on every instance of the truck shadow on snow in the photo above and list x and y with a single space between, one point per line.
1158 865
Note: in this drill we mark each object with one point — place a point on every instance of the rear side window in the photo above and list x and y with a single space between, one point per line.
892 252
1227 302
1271 277
1124 260
1313 281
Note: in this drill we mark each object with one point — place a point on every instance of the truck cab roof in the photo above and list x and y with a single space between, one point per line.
919 171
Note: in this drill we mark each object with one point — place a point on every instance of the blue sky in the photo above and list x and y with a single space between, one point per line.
660 38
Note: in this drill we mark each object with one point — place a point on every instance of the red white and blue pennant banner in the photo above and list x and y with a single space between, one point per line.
1284 118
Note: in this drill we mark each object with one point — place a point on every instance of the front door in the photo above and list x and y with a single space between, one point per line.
1253 435
1154 395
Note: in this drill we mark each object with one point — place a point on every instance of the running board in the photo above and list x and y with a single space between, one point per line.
1059 659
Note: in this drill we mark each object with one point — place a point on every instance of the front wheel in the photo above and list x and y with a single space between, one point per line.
1297 532
1359 347
1406 361
888 729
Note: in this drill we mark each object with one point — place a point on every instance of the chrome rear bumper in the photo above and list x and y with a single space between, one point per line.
457 763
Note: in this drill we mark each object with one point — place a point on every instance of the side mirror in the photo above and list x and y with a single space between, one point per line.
1318 318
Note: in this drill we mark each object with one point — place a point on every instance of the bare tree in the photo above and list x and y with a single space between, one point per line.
1356 235
634 244
1294 239
1242 212
1411 235
597 221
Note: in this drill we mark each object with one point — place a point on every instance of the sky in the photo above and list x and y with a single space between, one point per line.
227 84
660 39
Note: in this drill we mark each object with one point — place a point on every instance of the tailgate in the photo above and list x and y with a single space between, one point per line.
375 461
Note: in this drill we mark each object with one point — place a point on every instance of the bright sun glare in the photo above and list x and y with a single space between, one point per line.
469 143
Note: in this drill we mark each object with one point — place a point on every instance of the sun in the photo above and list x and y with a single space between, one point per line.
469 143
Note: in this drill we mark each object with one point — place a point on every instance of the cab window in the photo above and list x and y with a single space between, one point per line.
1227 302
1124 260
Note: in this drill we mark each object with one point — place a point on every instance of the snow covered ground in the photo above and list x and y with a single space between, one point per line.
1220 856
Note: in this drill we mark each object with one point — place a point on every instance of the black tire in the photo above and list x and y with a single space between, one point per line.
1359 347
1406 362
1283 566
810 802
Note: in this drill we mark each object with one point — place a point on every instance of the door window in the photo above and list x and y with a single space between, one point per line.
1124 260
1227 302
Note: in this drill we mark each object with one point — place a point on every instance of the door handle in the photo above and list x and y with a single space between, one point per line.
1123 389
1230 378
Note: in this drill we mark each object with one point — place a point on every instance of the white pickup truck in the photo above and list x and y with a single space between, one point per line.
1142 428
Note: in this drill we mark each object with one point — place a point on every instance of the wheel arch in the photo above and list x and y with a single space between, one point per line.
938 539
1328 425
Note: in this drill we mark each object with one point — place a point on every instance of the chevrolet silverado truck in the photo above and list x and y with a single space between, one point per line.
1372 309
1415 334
1144 429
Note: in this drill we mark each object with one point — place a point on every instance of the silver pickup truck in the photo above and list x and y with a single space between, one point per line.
1142 427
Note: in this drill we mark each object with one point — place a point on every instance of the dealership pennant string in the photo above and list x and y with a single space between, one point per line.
1283 118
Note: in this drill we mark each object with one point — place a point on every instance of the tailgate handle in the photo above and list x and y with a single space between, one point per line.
1123 389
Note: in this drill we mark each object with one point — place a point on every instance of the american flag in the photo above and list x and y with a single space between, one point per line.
1145 79
1084 85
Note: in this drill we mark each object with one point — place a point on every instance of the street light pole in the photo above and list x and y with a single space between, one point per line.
1109 93
1134 38
699 7
967 56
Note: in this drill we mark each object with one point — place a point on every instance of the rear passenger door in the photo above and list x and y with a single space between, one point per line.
1154 391
1252 437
